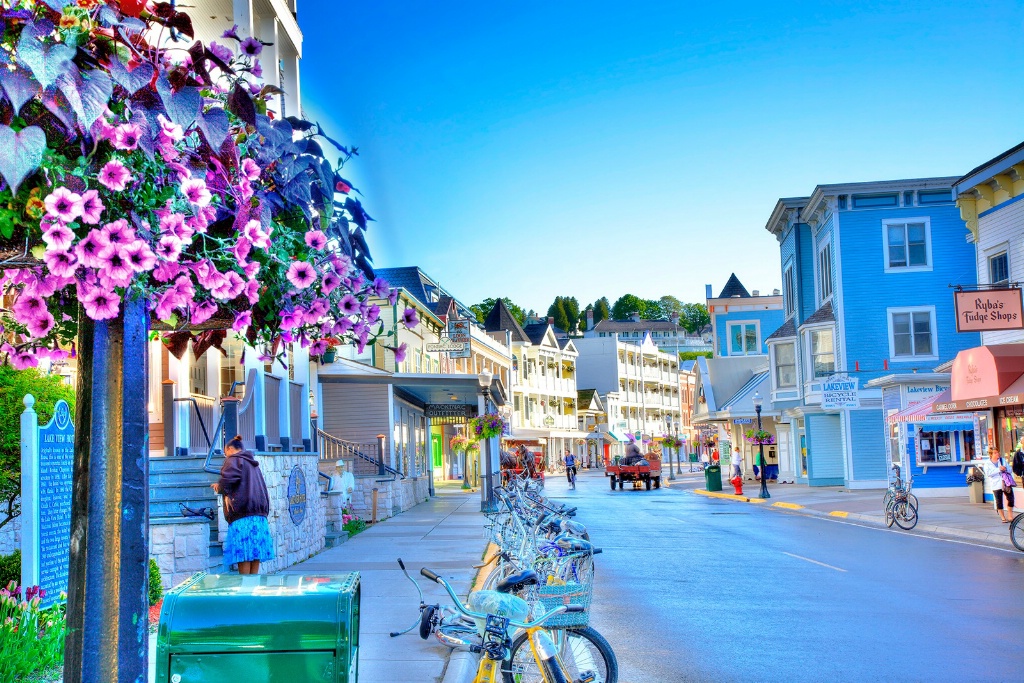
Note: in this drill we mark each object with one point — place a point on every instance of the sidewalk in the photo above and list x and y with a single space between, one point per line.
445 534
949 517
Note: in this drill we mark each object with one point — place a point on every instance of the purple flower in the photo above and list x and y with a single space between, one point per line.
194 189
373 313
400 352
221 52
203 312
59 237
126 136
169 248
231 33
251 47
40 325
381 287
301 274
257 68
139 256
393 297
252 291
329 282
99 304
63 204
242 321
88 249
118 232
116 270
316 239
410 319
349 305
114 176
61 263
250 169
92 207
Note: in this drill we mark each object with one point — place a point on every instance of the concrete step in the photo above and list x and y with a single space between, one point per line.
183 491
335 538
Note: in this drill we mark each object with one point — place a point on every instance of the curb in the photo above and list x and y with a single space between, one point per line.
462 665
1001 541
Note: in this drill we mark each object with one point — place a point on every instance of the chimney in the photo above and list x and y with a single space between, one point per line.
590 318
756 292
674 317
634 316
551 320
775 292
707 292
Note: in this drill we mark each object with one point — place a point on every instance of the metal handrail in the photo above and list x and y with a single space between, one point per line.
207 467
195 404
349 447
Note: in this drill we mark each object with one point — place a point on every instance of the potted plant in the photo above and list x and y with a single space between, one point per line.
759 436
331 352
488 426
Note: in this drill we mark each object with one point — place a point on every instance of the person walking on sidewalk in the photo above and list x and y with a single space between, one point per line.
246 506
737 463
994 468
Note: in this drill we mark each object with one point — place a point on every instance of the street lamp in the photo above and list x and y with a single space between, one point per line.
487 490
668 431
758 401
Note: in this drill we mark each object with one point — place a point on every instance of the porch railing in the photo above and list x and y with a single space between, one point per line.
247 412
365 458
272 385
295 392
200 414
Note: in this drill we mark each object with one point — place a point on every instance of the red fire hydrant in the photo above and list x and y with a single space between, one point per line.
737 483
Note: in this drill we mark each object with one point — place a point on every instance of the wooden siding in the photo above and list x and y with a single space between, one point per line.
356 413
867 431
1004 226
825 451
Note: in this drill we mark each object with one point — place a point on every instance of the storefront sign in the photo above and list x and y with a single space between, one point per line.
985 311
840 391
742 421
437 410
446 346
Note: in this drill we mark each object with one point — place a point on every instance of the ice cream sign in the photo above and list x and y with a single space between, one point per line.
838 392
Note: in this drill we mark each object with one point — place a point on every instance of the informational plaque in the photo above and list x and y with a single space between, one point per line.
56 444
297 495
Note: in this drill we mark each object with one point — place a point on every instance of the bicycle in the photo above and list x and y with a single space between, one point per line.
900 504
571 658
1017 531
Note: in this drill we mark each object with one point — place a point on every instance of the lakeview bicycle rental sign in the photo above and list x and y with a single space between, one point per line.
840 391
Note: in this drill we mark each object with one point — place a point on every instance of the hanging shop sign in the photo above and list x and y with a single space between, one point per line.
459 333
446 345
840 391
742 421
988 310
439 410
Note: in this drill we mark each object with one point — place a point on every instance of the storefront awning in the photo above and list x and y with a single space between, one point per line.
618 437
986 377
919 411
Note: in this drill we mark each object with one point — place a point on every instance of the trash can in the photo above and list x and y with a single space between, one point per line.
257 628
713 478
976 491
693 457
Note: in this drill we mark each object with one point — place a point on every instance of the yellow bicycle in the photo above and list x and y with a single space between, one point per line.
559 659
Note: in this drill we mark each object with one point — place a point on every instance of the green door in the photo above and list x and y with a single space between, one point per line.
437 451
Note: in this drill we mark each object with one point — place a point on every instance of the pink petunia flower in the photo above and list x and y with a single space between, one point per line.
329 282
401 351
373 313
114 176
174 224
168 302
242 321
251 47
23 360
92 207
139 256
100 304
252 291
61 263
116 270
27 307
169 129
230 286
250 169
349 305
381 287
341 327
59 237
241 250
118 232
316 239
88 249
63 204
203 312
126 136
301 274
195 191
169 248
41 325
410 319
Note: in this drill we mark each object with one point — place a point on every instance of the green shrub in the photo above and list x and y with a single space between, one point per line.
156 585
10 568
31 639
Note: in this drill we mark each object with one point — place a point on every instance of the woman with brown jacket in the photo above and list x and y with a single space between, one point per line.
246 506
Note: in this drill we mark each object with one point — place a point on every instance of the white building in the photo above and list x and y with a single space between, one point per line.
667 335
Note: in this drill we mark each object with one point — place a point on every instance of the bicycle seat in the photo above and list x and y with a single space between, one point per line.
572 544
510 584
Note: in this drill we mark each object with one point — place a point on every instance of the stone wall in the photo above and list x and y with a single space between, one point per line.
293 543
393 497
181 547
10 536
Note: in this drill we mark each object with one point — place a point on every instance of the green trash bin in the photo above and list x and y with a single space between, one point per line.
713 478
285 628
693 457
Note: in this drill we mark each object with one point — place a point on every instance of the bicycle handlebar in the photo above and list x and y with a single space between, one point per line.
570 609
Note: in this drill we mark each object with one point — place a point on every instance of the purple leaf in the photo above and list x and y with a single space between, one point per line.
182 106
133 80
46 61
241 105
146 137
20 153
214 124
20 87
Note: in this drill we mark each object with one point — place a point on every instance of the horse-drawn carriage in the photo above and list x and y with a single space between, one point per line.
641 470
522 462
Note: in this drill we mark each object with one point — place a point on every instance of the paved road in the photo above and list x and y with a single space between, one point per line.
697 589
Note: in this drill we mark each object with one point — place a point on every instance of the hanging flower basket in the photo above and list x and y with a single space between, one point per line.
488 426
759 436
133 172
458 444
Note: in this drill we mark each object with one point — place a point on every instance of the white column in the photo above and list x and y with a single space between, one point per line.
243 17
29 494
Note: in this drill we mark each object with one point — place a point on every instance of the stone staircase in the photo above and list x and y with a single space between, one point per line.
177 480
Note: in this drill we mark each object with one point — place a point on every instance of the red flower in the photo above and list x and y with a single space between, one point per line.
342 187
133 8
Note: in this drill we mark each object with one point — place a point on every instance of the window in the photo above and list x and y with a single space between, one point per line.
743 339
785 366
935 196
999 269
874 201
823 354
825 273
907 244
911 333
789 291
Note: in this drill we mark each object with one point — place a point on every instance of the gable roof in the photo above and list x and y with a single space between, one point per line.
422 287
500 319
537 332
734 288
588 399
822 315
787 330
633 326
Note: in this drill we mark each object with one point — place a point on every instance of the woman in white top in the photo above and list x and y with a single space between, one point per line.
737 462
993 469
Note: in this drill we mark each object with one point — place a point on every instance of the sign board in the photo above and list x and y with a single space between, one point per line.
47 462
742 421
438 410
446 345
840 391
988 310
459 333
297 495
549 421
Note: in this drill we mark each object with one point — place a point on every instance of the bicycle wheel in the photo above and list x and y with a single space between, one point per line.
887 499
906 515
889 517
1017 532
912 499
582 650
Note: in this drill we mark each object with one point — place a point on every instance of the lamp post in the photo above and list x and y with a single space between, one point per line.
487 489
671 469
760 446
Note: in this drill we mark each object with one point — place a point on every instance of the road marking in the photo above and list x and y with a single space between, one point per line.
975 544
839 513
788 506
807 559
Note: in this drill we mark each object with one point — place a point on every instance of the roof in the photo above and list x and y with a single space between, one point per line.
734 288
501 319
585 398
822 315
787 330
443 304
742 402
633 326
421 286
990 168
687 366
536 332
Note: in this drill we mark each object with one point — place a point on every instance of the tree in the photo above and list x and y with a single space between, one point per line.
627 304
483 309
572 313
557 311
694 318
602 310
669 305
694 355
14 384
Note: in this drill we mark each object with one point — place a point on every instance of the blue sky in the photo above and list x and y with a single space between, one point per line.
587 149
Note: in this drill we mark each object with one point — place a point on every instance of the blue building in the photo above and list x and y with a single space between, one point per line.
866 269
741 322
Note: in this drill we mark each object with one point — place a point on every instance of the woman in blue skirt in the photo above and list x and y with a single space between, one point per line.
246 506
